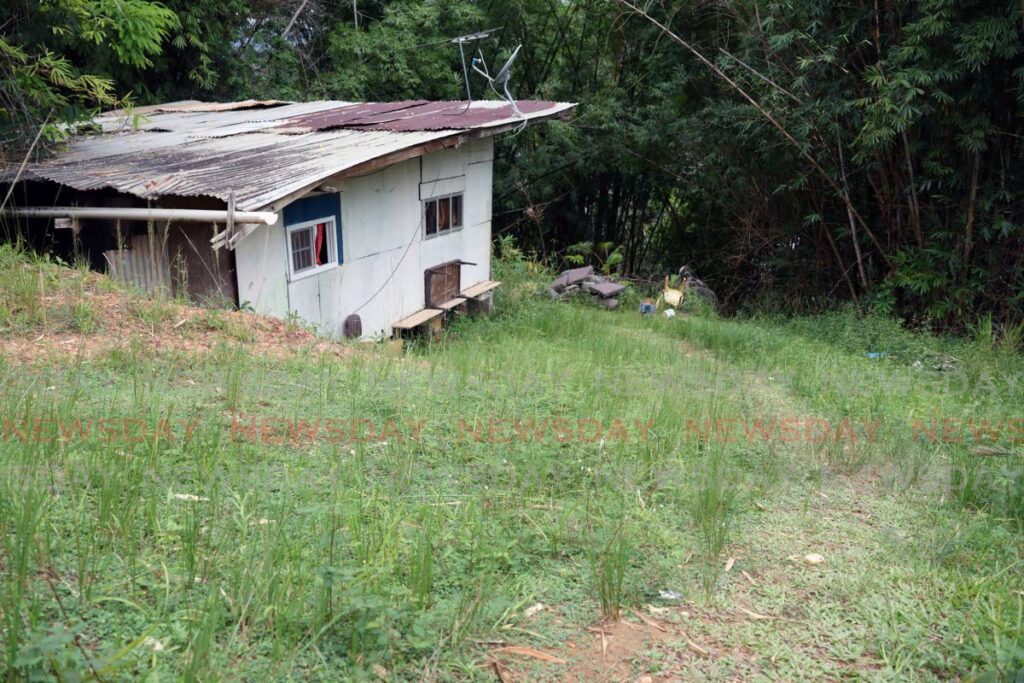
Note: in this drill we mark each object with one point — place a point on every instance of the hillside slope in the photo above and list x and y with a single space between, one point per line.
49 311
557 493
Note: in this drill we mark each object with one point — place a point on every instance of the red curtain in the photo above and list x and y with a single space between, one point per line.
320 235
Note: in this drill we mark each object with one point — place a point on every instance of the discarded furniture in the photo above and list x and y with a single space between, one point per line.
690 282
673 297
584 279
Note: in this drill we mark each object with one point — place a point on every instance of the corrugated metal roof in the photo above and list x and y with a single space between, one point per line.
261 151
414 115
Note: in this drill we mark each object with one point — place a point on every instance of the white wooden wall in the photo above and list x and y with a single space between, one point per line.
381 216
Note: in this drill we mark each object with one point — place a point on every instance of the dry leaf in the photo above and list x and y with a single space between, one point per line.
503 673
658 610
649 622
528 652
748 577
813 559
729 563
695 647
990 451
755 615
189 497
380 672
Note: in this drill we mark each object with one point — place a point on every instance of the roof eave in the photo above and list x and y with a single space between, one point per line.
456 139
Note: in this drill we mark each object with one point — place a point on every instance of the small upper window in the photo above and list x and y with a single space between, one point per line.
312 247
442 214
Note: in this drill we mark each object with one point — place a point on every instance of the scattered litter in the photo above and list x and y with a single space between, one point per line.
577 280
748 577
670 313
917 365
875 354
645 679
646 307
814 559
571 277
658 610
534 609
670 596
189 497
153 644
729 563
673 297
689 282
264 521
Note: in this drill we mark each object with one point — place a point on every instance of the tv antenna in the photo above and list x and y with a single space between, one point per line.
500 79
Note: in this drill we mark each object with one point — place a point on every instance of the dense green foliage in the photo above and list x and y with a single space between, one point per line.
58 60
864 151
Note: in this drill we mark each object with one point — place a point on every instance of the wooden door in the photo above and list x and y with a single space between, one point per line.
442 283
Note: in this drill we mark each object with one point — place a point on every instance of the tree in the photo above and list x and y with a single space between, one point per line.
54 56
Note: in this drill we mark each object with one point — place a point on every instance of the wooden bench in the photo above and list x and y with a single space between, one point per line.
433 316
452 304
480 296
480 288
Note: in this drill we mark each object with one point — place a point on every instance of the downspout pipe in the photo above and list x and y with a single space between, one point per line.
138 214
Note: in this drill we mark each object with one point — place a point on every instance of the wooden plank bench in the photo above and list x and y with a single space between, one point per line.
452 304
480 296
480 289
427 315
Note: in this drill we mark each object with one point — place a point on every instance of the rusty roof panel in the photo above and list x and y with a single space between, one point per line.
258 152
414 115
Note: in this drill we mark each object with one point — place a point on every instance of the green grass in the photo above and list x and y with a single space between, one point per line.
177 540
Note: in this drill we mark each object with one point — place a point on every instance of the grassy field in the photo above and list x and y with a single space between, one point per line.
556 493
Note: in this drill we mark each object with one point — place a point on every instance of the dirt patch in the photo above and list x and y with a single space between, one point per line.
617 652
89 316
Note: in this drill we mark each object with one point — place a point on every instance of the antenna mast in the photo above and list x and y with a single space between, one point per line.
501 78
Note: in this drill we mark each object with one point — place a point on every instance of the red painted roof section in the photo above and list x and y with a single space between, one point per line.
412 115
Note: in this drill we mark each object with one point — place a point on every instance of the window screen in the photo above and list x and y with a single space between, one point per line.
443 214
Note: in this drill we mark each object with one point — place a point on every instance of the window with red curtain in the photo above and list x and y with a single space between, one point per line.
442 214
321 244
313 246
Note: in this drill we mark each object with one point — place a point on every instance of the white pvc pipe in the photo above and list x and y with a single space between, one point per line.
113 213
